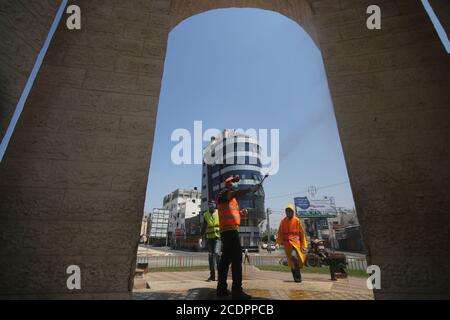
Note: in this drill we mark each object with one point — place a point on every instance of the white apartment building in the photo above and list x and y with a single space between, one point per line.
182 204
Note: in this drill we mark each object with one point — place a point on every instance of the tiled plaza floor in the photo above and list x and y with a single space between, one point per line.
259 284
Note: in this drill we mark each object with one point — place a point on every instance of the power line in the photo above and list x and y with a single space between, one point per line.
305 191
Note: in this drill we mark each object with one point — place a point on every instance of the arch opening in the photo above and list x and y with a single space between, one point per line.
234 62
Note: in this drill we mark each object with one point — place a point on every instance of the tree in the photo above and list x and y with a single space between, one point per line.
266 236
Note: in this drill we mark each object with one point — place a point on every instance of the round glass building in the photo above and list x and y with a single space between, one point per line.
229 154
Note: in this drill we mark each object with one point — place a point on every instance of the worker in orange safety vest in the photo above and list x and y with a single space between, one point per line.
229 222
292 236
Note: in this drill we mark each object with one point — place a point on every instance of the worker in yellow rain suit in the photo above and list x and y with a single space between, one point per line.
292 236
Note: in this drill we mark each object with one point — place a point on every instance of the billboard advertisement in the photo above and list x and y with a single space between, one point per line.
312 208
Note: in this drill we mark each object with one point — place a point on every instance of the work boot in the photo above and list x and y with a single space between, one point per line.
293 274
222 293
240 295
297 275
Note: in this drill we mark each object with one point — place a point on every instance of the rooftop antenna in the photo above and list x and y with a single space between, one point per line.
312 191
333 203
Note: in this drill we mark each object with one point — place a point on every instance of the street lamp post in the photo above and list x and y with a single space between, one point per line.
268 213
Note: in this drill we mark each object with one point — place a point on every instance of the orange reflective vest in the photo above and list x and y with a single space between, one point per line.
290 230
229 215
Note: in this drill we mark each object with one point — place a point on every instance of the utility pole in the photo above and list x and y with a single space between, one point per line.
167 230
312 191
268 213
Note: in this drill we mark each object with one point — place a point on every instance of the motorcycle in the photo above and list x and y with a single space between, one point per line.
318 256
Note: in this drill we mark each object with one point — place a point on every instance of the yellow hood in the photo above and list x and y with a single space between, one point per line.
291 206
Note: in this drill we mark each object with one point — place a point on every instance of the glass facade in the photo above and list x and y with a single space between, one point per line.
159 225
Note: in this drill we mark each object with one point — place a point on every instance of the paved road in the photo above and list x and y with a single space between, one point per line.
165 250
150 250
161 251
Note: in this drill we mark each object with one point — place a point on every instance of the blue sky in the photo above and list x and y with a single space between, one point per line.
249 68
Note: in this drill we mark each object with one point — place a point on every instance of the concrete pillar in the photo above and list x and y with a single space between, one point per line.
442 10
24 26
73 180
390 90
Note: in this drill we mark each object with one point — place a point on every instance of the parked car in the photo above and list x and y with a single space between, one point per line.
271 246
264 245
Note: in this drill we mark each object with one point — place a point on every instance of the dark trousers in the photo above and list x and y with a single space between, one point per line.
213 255
231 254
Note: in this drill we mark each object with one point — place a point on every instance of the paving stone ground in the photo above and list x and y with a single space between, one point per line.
260 284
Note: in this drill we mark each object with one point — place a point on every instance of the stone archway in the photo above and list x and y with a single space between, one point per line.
72 183
298 11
